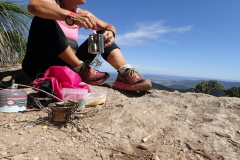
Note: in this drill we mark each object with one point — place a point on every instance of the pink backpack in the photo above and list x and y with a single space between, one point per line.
61 77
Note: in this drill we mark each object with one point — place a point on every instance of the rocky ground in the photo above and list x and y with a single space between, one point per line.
182 126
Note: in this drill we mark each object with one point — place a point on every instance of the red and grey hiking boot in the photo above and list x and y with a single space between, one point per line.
132 80
92 76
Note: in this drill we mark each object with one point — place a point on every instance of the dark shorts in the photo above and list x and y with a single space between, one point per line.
46 41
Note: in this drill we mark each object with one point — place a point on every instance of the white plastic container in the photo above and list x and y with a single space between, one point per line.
76 95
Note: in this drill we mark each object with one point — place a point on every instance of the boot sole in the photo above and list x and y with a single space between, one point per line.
97 82
145 87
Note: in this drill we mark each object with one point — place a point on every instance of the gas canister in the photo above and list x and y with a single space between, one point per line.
13 100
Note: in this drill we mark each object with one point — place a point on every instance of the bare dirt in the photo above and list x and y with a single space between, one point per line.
182 126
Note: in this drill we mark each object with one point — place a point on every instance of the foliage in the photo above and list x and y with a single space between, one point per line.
208 87
233 92
14 27
96 62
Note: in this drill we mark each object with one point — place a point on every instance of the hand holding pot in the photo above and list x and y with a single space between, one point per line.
108 37
97 42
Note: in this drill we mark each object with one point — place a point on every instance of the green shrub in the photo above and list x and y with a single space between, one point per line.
208 87
233 92
14 29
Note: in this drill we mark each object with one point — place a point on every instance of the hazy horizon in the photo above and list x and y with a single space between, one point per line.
175 77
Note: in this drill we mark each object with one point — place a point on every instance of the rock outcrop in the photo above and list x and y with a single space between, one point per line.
182 126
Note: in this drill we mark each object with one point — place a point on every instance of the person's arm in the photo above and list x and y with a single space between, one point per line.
47 9
101 25
110 31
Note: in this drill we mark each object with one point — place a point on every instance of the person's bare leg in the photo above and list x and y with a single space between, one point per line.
69 57
128 78
116 59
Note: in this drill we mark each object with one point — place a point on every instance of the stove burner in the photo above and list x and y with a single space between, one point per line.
59 112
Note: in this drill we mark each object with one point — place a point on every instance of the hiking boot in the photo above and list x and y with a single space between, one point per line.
132 80
92 76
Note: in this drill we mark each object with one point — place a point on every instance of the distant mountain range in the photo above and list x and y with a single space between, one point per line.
172 83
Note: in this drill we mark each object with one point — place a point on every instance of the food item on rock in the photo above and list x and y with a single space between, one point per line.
95 98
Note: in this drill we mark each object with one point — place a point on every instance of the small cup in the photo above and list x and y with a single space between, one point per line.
96 43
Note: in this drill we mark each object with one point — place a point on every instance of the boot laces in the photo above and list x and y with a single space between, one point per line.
134 72
86 66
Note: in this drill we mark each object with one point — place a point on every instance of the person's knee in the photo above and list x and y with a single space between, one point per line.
108 50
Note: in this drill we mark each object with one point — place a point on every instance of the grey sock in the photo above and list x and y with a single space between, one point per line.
124 67
77 69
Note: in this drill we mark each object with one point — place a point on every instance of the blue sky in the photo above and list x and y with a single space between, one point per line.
174 37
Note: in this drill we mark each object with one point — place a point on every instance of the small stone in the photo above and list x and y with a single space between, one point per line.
29 131
155 157
74 130
20 133
18 157
7 78
142 146
13 144
10 124
3 153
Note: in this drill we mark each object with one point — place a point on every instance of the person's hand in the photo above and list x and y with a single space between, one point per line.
109 38
86 20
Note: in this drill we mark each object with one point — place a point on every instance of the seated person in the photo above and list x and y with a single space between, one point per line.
52 42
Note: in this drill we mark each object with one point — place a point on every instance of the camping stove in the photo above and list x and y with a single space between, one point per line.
60 112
